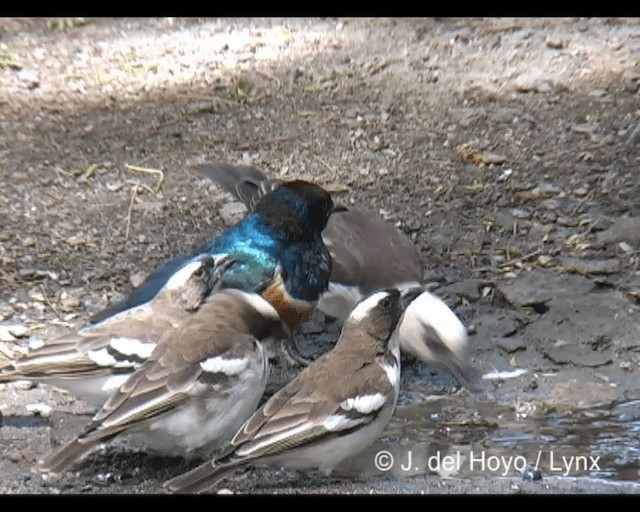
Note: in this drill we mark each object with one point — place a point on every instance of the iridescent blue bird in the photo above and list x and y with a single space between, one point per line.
278 251
367 254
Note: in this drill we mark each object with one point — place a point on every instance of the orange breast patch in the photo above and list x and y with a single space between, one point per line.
293 312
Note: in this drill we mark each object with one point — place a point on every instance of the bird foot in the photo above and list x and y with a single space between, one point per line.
292 354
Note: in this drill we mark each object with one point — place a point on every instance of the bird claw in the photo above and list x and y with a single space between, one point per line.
292 353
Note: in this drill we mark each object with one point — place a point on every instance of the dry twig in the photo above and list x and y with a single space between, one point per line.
148 171
133 198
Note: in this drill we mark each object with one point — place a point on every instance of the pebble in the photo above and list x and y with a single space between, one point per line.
136 278
40 409
533 82
29 77
606 266
9 332
531 473
567 221
555 43
69 302
25 385
623 229
520 213
233 212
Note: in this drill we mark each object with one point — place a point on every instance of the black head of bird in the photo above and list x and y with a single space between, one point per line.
296 209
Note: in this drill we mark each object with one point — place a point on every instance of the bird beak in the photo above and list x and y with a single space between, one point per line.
222 264
338 208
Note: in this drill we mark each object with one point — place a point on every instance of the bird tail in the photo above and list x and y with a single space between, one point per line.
200 479
64 457
46 362
245 183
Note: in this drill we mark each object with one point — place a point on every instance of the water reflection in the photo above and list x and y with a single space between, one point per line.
454 440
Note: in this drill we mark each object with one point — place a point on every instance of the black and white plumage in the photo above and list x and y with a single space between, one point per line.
94 361
196 388
334 409
367 254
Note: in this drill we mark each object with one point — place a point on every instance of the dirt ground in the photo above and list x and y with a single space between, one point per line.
508 149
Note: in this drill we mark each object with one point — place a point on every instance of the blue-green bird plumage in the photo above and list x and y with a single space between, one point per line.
284 231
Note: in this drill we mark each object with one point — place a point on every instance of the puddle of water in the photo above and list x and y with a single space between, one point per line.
485 439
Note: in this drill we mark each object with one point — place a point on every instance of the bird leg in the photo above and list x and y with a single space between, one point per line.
292 354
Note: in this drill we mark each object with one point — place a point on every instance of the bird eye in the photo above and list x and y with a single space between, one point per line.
386 303
199 272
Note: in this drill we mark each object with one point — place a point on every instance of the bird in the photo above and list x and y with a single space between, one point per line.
93 362
332 410
196 388
367 253
279 254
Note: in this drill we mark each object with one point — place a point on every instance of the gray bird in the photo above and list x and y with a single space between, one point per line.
334 409
197 387
94 361
367 254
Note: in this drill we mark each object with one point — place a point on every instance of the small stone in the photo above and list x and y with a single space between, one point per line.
623 229
547 217
39 408
233 212
568 221
533 82
18 330
137 278
520 213
69 303
29 77
554 43
608 266
585 128
29 241
492 158
5 334
545 189
225 492
545 260
14 455
414 225
598 93
25 385
531 474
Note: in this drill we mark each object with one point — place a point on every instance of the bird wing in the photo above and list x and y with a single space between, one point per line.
305 412
243 182
116 347
181 367
370 252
